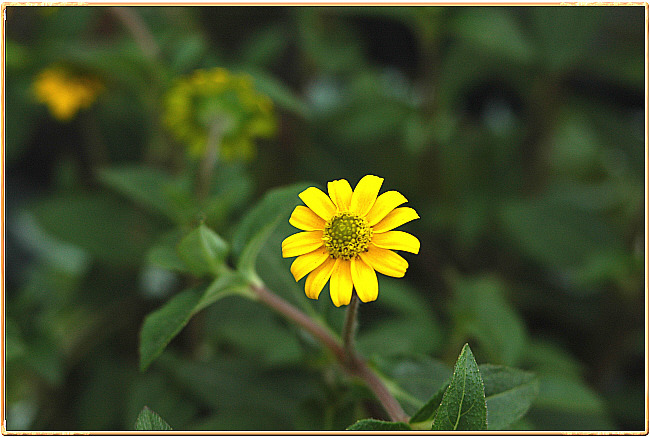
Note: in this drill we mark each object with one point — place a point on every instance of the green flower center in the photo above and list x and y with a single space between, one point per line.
346 235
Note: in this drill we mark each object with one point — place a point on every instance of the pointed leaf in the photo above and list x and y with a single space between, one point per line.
203 251
378 425
463 406
148 420
143 185
509 394
162 325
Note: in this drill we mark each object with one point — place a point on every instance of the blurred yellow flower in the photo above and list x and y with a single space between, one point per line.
348 236
64 93
218 99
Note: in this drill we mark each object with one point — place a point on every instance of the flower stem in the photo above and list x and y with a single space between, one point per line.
138 29
210 157
353 364
350 326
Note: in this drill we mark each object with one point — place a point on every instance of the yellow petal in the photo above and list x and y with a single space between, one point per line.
318 278
318 202
397 240
365 280
341 283
308 262
340 191
385 261
365 194
395 218
306 219
384 204
301 243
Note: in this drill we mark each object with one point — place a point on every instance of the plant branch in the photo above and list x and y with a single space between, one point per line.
138 29
303 320
210 157
353 364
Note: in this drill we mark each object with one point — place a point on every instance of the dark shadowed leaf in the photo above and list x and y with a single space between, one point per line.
509 393
143 185
428 410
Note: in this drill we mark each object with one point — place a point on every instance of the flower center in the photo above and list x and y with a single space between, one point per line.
346 235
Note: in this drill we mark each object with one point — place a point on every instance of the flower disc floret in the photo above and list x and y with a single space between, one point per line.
346 235
217 100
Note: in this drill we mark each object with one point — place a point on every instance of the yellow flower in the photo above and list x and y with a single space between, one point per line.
348 236
64 93
217 97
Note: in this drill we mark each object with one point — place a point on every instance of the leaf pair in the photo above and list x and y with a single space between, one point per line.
479 397
203 253
458 405
476 398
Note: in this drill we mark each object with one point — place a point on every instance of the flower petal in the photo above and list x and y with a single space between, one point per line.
340 191
318 202
397 240
318 278
301 243
365 194
341 283
365 280
308 262
306 219
385 261
395 218
384 204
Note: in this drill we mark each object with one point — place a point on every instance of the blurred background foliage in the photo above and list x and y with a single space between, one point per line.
517 133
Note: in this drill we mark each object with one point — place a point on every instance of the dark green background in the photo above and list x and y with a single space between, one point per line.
517 133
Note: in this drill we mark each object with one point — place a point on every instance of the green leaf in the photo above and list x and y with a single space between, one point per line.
481 311
509 393
242 384
555 232
248 258
143 185
162 325
463 406
428 410
254 330
412 378
163 254
224 285
203 251
259 223
506 41
563 36
567 403
148 420
106 228
280 93
413 327
378 425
